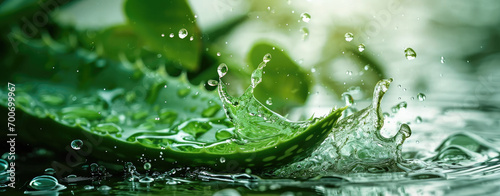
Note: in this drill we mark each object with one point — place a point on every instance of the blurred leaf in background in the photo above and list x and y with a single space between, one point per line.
284 82
169 28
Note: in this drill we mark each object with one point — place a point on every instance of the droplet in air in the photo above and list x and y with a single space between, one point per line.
348 99
222 160
222 70
183 33
305 17
349 36
410 54
147 166
267 58
76 144
421 97
442 60
361 47
212 82
305 33
269 101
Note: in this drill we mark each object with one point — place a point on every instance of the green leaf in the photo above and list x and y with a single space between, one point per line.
284 81
119 40
156 20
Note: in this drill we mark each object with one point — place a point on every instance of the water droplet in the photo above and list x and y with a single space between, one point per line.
210 111
269 101
313 70
48 171
43 182
104 188
222 160
305 33
183 33
367 67
147 166
266 58
171 35
162 35
191 38
348 72
402 105
218 54
212 82
421 97
146 180
94 167
3 165
108 128
223 134
76 144
348 99
418 119
410 54
442 60
222 70
88 187
305 17
361 47
349 36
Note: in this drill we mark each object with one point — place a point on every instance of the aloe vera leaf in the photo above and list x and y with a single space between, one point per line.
122 115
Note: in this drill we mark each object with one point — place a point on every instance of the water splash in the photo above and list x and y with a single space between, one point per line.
252 120
355 145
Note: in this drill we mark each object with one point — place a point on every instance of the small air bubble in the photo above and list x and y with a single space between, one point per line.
442 60
171 35
218 53
222 160
349 36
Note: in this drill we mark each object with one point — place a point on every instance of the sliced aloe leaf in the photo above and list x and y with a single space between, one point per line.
125 112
